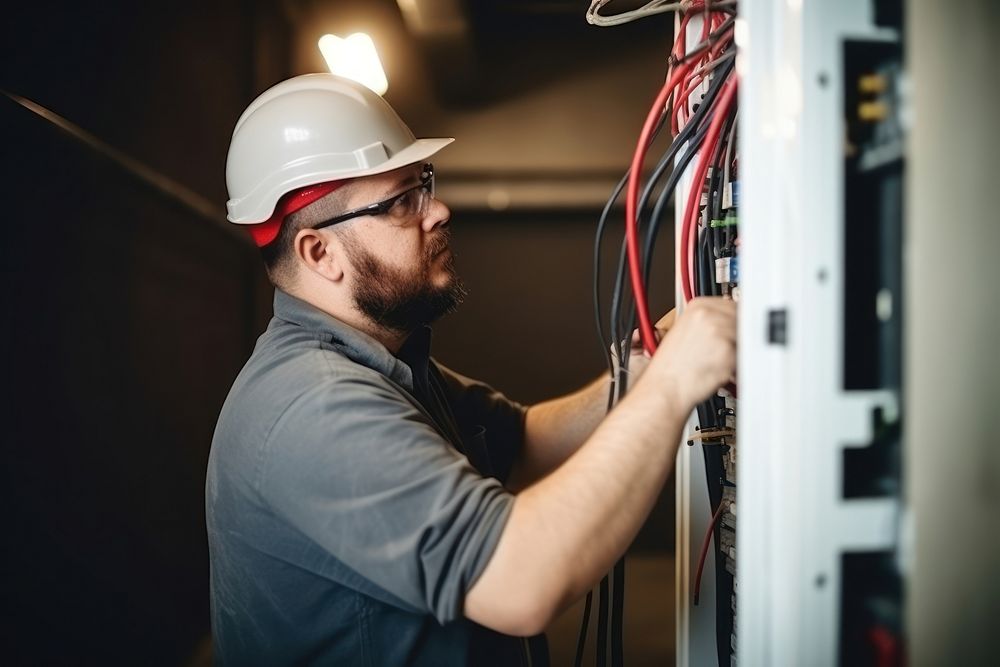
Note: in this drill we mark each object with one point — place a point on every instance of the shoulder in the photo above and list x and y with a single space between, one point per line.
293 387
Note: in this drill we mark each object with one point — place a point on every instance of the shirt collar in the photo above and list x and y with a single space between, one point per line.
356 345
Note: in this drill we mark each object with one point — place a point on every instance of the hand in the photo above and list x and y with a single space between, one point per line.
698 355
638 358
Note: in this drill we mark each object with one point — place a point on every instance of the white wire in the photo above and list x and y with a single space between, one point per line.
649 9
729 149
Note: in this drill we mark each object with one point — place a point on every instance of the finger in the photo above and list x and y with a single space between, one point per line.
719 304
667 320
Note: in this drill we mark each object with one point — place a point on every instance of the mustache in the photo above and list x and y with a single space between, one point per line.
439 242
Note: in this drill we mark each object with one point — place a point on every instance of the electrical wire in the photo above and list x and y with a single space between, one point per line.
602 623
582 640
685 158
617 609
697 136
598 239
704 551
649 9
622 327
646 334
691 209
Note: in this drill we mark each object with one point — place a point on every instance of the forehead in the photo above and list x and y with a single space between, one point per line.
363 191
387 183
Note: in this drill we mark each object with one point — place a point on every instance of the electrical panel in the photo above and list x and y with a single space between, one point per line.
785 166
811 569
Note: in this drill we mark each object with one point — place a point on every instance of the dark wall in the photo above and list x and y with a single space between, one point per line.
527 326
127 315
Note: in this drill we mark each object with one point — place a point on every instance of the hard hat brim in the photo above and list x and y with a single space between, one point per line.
258 206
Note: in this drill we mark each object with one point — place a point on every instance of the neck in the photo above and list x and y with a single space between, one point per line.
344 310
393 340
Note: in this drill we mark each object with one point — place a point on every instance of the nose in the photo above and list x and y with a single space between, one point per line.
438 215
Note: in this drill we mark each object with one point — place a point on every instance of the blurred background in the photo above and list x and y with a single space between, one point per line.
131 304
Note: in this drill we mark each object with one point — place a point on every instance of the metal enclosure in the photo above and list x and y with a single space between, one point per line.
819 417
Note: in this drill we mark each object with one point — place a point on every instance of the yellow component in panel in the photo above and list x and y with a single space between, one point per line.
873 83
873 111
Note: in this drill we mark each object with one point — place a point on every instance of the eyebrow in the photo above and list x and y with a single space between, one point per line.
406 181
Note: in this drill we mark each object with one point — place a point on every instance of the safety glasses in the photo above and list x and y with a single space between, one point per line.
400 207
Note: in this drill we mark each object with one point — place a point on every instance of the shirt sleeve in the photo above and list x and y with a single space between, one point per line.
479 407
356 467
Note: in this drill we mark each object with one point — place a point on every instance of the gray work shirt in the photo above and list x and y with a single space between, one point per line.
353 498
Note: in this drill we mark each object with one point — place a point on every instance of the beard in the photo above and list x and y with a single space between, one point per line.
400 300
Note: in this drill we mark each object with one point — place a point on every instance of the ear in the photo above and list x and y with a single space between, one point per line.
321 253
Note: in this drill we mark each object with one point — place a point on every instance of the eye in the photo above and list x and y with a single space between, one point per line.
405 205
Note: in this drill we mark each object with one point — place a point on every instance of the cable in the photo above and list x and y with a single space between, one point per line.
646 331
704 551
691 208
617 608
598 238
635 270
685 159
602 624
621 329
685 75
649 9
606 344
582 640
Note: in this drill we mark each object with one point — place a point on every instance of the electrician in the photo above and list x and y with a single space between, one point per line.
365 504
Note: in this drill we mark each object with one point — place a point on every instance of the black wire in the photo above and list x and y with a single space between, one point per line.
701 113
713 37
617 607
713 208
622 339
582 640
621 330
598 239
618 331
622 334
588 606
657 215
602 625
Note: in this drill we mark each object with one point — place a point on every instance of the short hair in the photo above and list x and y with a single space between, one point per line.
279 254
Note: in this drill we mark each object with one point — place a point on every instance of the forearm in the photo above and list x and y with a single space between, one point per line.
555 429
570 527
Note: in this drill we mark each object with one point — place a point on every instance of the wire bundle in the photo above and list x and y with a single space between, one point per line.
697 102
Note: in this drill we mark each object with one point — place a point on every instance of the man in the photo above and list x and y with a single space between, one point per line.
365 504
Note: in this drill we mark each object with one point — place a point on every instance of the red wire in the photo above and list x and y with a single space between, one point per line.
683 71
680 105
704 550
726 99
687 79
680 46
646 332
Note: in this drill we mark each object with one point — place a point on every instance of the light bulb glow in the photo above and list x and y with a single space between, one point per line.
354 57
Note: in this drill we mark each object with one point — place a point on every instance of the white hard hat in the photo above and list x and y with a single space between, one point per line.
311 129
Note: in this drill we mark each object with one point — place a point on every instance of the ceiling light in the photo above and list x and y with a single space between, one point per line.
354 57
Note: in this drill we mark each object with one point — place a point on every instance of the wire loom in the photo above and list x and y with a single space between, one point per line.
705 129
